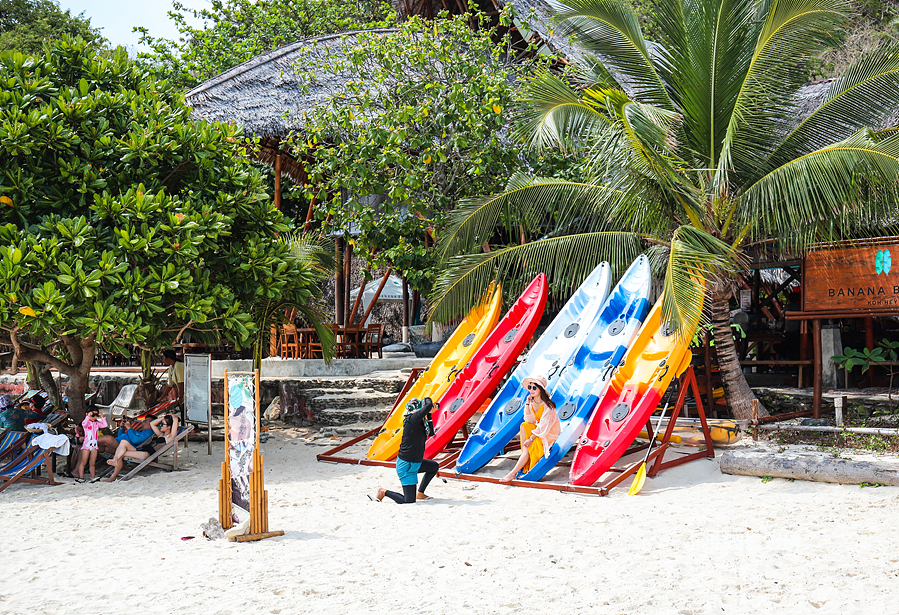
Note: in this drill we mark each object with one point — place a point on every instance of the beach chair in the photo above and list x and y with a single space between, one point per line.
153 460
11 442
121 403
26 466
158 410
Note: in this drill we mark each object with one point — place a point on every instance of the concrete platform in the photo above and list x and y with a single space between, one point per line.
307 368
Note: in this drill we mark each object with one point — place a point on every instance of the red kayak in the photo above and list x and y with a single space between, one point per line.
488 366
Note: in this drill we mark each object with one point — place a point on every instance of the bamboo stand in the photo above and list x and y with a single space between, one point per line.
258 494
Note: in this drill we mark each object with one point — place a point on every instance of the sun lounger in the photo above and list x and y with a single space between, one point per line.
158 410
152 460
11 442
25 468
121 403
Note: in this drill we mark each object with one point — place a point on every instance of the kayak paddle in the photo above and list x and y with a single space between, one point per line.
640 478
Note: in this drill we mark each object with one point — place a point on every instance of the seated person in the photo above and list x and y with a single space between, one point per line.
133 431
165 428
34 409
12 415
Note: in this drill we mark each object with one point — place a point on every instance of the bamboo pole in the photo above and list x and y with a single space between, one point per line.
377 295
278 181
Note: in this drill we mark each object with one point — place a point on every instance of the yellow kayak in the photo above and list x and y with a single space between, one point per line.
453 356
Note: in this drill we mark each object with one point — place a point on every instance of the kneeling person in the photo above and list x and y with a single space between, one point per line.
417 427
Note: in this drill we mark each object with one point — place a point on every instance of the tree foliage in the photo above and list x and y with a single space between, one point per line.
27 25
126 222
695 150
421 124
234 31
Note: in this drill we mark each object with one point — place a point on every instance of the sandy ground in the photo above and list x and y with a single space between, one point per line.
693 542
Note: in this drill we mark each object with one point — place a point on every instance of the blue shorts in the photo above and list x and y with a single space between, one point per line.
407 471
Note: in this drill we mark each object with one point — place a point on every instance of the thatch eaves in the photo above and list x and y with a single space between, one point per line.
266 95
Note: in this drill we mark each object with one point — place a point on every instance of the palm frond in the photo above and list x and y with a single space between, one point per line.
554 114
533 200
789 32
314 251
708 51
695 259
864 97
837 186
611 30
566 261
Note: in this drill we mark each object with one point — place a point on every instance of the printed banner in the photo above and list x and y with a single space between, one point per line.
241 435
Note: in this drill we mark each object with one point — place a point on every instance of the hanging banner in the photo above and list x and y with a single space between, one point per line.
852 278
242 432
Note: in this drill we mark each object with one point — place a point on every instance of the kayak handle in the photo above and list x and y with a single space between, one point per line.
493 369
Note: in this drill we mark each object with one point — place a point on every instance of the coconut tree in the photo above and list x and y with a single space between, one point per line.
694 150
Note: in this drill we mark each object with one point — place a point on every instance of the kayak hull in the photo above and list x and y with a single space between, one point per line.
441 372
488 366
550 357
655 358
590 373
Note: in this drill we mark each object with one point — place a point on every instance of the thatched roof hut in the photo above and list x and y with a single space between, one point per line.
267 97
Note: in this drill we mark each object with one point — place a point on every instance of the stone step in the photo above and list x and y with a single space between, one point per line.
349 416
350 399
349 431
384 385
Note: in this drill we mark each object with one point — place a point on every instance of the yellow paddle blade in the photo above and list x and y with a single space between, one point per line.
639 479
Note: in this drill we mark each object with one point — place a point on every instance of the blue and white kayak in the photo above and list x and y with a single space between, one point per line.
584 383
549 358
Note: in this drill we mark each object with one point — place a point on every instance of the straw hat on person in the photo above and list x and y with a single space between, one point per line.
538 380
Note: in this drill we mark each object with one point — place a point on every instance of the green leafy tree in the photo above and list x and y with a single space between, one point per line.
419 126
124 221
695 151
234 31
27 25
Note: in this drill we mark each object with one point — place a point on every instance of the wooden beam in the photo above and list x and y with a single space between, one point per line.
377 296
347 280
359 296
339 286
819 368
278 181
309 214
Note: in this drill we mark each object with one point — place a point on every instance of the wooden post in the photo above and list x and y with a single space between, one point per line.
707 357
803 348
347 280
358 300
816 344
338 281
376 296
278 181
225 482
755 419
309 213
405 311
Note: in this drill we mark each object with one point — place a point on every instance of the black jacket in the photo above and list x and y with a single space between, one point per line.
412 446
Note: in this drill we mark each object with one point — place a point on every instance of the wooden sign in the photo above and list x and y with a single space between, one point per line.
852 278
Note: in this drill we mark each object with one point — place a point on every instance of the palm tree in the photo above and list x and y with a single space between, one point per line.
693 151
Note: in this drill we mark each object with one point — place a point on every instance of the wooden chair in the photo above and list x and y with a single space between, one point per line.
25 468
290 342
373 340
152 460
353 341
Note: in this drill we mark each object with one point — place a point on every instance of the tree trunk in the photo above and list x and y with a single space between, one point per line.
147 388
736 390
48 383
78 388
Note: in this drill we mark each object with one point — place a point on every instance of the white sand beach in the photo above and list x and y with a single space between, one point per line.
693 542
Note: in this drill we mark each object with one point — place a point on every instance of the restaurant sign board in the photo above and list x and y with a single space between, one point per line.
860 277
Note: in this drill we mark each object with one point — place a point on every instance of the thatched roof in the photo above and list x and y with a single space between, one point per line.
265 94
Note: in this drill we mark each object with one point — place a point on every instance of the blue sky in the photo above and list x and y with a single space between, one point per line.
118 17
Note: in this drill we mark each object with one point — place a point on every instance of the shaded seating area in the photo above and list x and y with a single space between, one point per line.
351 342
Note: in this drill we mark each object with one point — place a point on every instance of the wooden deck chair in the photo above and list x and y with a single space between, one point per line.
25 468
11 442
158 410
374 341
152 459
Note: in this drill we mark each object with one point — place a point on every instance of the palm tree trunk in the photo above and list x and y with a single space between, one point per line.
736 390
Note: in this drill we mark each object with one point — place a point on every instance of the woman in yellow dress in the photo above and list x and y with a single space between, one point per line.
539 429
